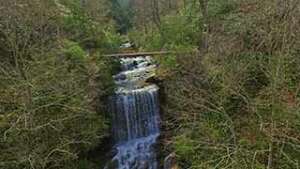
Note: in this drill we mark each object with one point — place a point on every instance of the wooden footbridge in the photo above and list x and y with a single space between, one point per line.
126 55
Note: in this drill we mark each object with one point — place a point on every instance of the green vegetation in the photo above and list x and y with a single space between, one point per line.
235 104
232 91
230 95
52 81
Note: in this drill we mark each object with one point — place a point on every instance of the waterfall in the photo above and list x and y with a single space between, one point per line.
135 115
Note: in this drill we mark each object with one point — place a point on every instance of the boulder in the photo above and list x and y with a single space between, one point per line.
170 162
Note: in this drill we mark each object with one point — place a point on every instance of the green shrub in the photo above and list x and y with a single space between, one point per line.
74 51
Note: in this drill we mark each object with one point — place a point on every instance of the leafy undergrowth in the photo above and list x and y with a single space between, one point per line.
53 79
238 105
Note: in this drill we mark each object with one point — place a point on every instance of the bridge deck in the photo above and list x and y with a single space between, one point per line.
139 54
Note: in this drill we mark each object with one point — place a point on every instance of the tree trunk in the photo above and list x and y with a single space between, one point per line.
203 46
155 13
92 82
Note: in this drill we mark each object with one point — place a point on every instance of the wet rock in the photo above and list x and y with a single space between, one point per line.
112 165
120 77
113 152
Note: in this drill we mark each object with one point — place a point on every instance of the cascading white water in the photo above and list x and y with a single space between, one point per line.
135 115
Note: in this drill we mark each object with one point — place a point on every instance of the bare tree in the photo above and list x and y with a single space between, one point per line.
156 13
203 46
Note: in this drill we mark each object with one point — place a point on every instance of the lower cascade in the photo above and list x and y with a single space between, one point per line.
135 115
